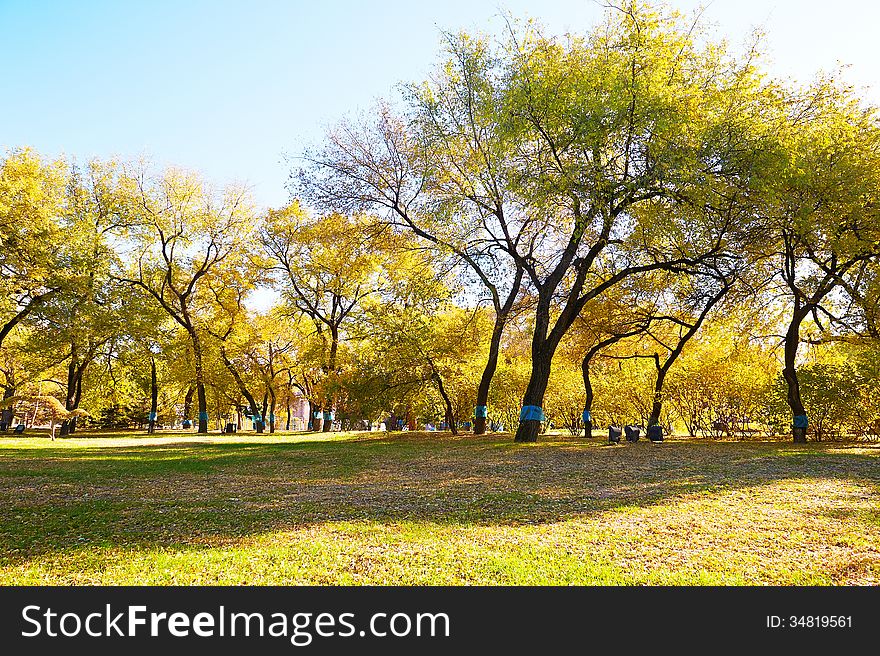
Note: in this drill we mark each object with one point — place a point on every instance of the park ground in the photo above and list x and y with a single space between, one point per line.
428 508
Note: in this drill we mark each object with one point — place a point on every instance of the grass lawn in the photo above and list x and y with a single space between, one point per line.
433 509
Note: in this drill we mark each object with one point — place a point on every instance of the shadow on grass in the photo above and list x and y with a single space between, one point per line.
192 493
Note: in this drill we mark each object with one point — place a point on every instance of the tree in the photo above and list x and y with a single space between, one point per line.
822 206
89 311
539 154
183 237
326 267
438 172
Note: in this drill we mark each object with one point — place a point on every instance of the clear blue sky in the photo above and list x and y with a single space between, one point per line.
226 87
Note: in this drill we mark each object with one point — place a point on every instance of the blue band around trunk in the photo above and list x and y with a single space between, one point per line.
481 411
531 413
800 421
151 416
203 416
586 416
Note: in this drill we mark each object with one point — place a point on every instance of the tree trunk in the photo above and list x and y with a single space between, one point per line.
261 425
200 382
789 373
203 407
328 421
70 395
501 314
7 414
317 419
450 415
657 404
154 396
481 410
588 403
532 414
272 412
255 409
187 402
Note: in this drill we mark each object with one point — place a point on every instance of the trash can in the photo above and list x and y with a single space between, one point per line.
230 428
655 433
19 429
614 434
632 433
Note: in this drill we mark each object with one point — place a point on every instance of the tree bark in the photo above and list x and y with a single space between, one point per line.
187 402
488 374
200 382
317 418
657 405
450 415
70 395
588 388
501 314
154 396
262 423
542 356
789 372
272 402
7 414
203 406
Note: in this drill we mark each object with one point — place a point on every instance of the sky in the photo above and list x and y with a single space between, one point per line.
230 89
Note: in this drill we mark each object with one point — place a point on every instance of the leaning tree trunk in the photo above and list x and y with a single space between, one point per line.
255 409
154 397
789 373
501 313
450 415
482 409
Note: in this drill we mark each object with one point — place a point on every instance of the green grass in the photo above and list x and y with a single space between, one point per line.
432 509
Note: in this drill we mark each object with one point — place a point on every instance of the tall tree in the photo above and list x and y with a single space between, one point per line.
539 153
439 172
822 206
326 267
183 234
